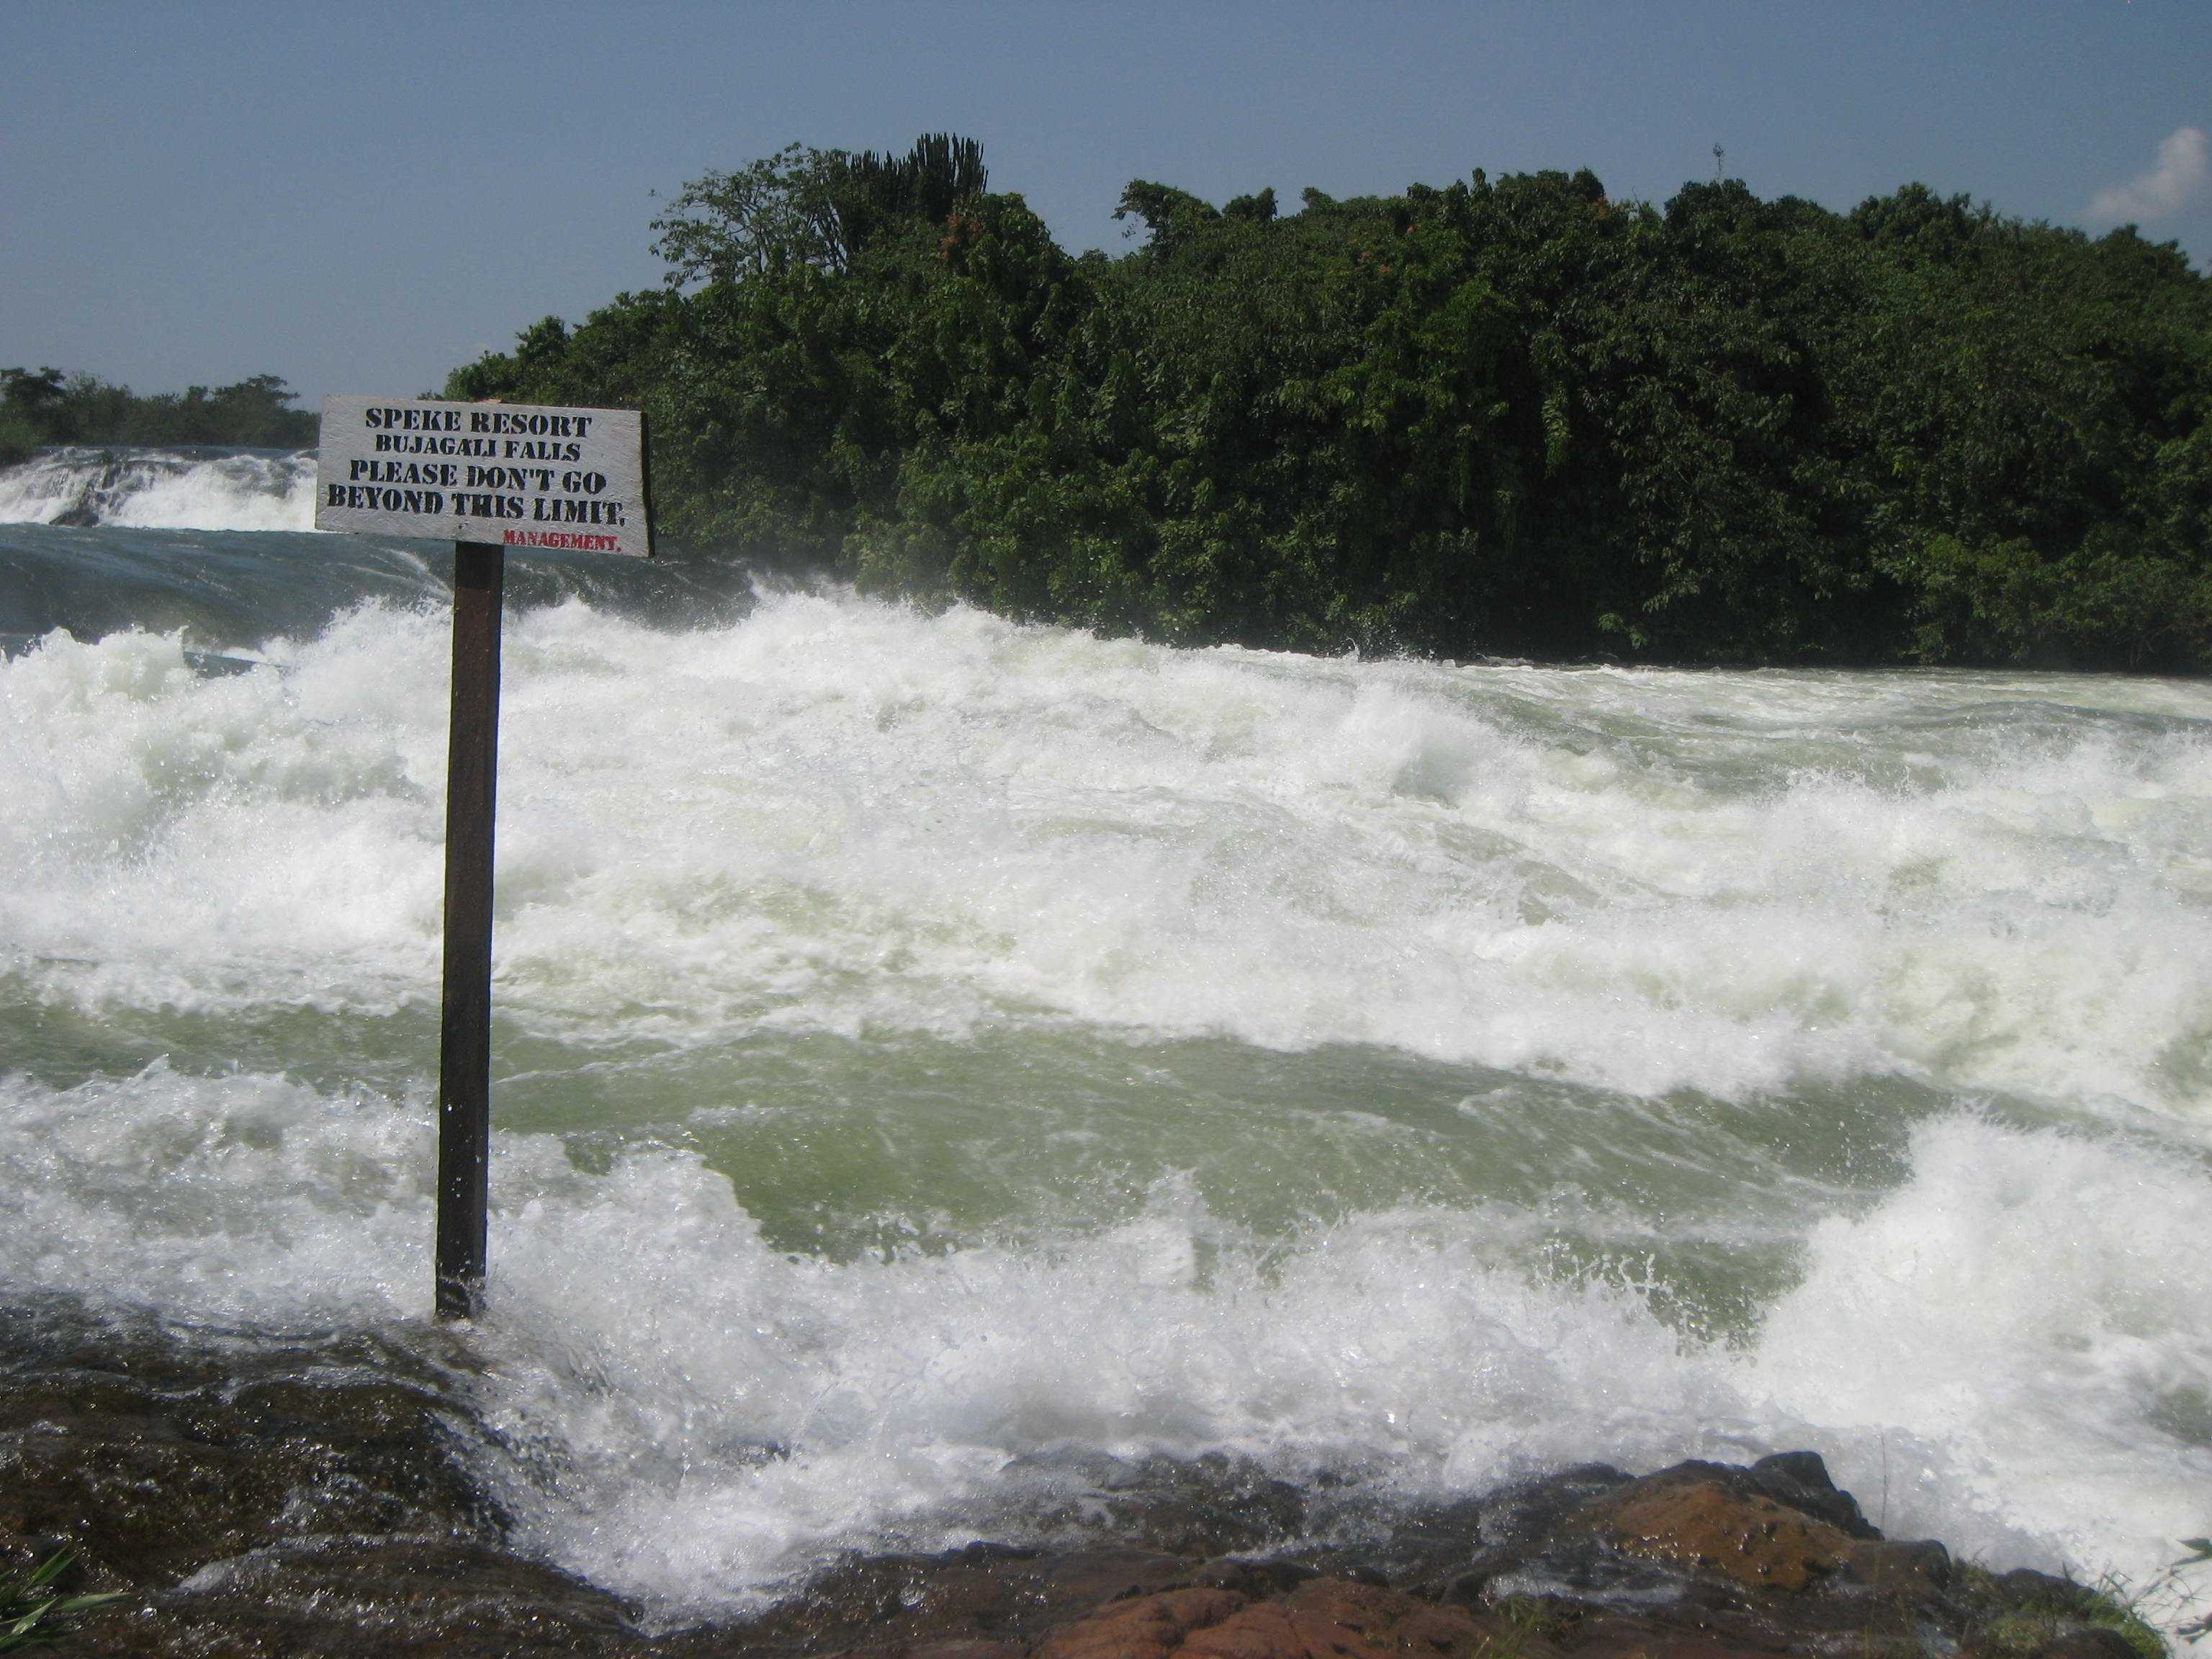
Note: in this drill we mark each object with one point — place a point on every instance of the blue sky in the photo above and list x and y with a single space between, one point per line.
357 197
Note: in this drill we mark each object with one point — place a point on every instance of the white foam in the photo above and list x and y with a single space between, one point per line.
269 838
245 1198
162 489
1972 1372
2027 1317
840 816
1996 1353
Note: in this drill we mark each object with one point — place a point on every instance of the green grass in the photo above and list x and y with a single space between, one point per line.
2170 1595
2009 1625
33 1612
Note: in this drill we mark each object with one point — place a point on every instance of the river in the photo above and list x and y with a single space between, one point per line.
933 1054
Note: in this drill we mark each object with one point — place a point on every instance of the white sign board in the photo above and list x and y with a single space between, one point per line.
522 476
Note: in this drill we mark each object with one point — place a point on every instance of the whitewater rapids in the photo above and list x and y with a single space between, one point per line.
929 1046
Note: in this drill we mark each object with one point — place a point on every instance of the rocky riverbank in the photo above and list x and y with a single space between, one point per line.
314 1500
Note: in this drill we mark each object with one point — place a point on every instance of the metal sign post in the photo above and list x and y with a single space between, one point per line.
492 477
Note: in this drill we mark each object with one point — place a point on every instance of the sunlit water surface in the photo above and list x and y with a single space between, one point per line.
925 1044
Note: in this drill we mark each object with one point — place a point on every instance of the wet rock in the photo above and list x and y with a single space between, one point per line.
1206 1506
1702 1526
155 1462
1148 1627
1780 1524
306 1498
1346 1617
1914 1571
2086 1642
351 1598
1452 1549
1800 1480
1323 1616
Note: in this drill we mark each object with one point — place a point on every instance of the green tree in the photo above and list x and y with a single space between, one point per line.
1512 415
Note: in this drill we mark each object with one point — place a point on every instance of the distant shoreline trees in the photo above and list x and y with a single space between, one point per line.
44 406
1500 417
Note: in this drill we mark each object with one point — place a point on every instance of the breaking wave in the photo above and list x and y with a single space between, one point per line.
930 1047
181 489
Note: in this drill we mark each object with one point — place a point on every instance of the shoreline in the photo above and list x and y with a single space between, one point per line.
314 1499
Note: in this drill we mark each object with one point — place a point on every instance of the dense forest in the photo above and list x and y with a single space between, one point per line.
1504 416
43 406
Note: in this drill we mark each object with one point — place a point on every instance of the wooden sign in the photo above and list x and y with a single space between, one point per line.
515 475
493 476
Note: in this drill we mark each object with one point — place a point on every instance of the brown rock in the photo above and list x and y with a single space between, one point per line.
1322 1618
1392 1622
1146 1627
1701 1525
1911 1571
1627 1636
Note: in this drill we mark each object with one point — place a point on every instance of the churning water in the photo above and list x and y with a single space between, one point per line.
928 1046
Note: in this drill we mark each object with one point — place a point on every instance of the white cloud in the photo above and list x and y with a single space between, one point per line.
2184 165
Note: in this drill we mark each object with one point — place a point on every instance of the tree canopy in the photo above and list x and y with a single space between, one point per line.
45 406
1515 416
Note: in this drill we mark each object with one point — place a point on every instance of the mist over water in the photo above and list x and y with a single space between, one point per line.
931 1052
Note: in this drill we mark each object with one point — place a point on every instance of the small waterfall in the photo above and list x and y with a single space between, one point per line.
183 489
